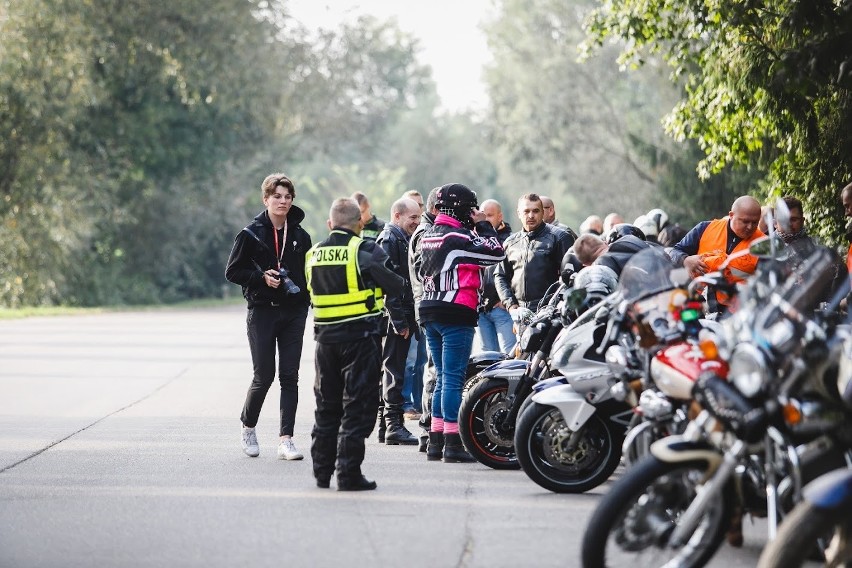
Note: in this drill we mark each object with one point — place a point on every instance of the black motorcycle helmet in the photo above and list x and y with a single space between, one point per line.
622 230
457 201
570 265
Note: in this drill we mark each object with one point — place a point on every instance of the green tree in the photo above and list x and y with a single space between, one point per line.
577 132
767 83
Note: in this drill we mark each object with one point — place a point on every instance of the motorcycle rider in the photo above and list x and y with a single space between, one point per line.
450 269
533 257
373 226
427 219
706 247
624 240
846 200
495 327
550 216
394 238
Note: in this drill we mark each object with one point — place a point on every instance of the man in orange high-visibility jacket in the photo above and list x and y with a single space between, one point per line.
846 199
709 243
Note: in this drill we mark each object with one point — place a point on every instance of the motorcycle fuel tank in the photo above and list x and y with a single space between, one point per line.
676 368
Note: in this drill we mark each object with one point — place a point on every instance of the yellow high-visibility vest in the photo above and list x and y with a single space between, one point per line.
338 292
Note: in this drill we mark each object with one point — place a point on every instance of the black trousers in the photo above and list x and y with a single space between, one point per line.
347 395
272 329
394 355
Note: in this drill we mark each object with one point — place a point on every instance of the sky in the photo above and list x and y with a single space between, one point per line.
452 42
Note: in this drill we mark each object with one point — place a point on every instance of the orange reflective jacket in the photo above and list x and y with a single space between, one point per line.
711 249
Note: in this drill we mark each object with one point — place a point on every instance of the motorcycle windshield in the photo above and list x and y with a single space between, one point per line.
802 281
647 273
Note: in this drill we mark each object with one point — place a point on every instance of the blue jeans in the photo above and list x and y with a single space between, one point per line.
450 347
412 387
496 330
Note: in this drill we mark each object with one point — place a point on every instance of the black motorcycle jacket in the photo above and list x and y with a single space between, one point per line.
620 252
254 252
490 297
533 262
400 308
372 228
426 221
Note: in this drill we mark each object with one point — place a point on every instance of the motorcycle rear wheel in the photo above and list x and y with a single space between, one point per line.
483 408
541 438
634 520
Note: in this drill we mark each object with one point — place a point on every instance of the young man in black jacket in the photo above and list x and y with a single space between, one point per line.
268 261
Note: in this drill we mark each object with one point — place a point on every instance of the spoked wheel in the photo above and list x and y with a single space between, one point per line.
810 532
634 521
482 411
560 460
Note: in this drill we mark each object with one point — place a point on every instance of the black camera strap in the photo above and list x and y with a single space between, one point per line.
279 256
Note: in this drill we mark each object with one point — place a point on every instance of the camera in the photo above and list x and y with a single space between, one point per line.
289 286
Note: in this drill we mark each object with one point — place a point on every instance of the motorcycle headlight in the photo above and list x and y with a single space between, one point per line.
748 369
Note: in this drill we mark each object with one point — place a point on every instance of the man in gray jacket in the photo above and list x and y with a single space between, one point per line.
533 257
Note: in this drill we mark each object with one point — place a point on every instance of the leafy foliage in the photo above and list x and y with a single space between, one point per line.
767 83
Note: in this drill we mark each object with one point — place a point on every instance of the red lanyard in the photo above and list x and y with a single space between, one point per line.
280 255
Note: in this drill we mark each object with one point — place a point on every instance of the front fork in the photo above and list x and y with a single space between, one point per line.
522 391
688 522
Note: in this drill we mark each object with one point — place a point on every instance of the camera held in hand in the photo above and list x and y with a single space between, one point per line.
289 286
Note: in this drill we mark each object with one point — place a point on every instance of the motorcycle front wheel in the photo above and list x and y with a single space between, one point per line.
483 408
551 456
807 532
633 522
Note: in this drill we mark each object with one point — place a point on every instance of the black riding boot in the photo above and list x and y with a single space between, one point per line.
397 434
435 446
454 451
381 418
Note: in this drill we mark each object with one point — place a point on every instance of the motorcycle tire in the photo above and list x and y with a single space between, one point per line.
482 408
635 518
541 435
806 534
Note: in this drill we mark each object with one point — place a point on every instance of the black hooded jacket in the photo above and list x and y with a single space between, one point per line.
621 251
254 252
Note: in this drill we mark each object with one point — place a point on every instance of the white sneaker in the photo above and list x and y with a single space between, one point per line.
287 450
250 446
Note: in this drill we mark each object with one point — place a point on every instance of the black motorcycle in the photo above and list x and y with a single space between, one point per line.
758 438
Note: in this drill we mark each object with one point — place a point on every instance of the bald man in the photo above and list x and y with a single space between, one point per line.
550 216
709 243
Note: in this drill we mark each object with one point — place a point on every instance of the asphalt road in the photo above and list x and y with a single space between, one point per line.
119 446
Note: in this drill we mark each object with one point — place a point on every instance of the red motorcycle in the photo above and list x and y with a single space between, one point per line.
664 346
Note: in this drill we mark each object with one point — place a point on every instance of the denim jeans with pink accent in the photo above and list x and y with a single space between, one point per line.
450 346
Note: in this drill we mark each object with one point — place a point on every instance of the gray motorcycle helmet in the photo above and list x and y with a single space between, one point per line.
598 280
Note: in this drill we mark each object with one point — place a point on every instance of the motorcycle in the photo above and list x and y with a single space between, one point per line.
822 517
491 401
663 352
568 436
755 441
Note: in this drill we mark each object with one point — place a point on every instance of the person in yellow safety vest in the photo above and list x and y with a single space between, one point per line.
346 277
707 246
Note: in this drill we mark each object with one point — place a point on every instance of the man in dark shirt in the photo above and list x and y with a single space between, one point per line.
495 328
